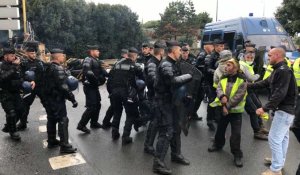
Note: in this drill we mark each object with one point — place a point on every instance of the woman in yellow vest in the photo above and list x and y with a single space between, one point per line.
252 101
231 95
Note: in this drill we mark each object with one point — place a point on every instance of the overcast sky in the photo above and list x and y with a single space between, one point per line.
150 9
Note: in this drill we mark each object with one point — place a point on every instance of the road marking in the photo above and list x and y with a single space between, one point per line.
66 161
43 117
43 128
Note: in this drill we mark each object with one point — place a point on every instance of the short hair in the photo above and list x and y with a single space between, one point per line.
156 51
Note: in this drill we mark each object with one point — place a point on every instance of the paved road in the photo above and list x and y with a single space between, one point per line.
104 156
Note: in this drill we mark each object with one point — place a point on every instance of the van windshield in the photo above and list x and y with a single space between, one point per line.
272 40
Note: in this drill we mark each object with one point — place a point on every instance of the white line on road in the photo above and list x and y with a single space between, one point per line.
43 117
66 161
43 128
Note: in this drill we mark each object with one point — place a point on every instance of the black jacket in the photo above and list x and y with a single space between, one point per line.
93 73
150 75
57 87
123 75
282 84
10 77
168 79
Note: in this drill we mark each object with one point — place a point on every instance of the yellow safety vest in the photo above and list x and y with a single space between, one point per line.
250 68
297 71
269 69
240 107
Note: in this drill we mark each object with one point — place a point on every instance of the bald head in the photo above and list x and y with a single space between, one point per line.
276 55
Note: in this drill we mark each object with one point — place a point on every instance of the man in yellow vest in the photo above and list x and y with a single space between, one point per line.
231 95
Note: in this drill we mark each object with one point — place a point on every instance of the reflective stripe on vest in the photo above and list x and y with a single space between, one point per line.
297 71
240 107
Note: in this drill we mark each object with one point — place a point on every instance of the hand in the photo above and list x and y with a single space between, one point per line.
32 84
17 61
75 104
224 100
225 111
260 111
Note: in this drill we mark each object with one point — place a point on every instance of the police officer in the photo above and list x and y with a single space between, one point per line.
189 58
200 65
150 75
145 55
185 56
168 80
10 86
93 77
109 113
55 102
210 67
122 88
31 63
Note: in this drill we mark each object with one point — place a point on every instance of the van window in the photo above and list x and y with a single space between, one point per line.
216 36
272 40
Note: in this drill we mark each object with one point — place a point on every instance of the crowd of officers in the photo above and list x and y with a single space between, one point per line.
144 84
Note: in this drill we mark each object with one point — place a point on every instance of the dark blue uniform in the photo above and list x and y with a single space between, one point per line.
93 77
122 88
10 98
55 103
168 79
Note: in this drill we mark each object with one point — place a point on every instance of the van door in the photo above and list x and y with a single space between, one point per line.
229 38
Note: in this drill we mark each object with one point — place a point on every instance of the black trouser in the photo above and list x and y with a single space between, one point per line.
92 104
212 113
27 101
253 103
13 107
57 114
235 120
109 115
297 112
153 125
169 131
198 99
118 100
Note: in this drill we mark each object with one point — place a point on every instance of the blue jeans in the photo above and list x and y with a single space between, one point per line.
279 138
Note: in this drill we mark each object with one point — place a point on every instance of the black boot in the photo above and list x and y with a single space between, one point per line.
196 117
149 150
96 125
83 129
179 159
238 161
214 148
5 128
52 141
67 148
11 123
115 134
21 126
160 167
126 140
106 125
15 136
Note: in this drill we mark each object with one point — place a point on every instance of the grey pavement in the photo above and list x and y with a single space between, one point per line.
107 157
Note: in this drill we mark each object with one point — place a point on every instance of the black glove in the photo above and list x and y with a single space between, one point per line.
75 104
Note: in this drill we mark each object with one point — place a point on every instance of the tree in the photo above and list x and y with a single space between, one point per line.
288 15
73 24
180 19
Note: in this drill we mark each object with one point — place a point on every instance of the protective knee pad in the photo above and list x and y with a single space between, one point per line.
11 113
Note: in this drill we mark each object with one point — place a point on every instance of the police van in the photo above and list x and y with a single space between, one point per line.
264 32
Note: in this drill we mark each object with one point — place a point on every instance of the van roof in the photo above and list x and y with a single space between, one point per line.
249 26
